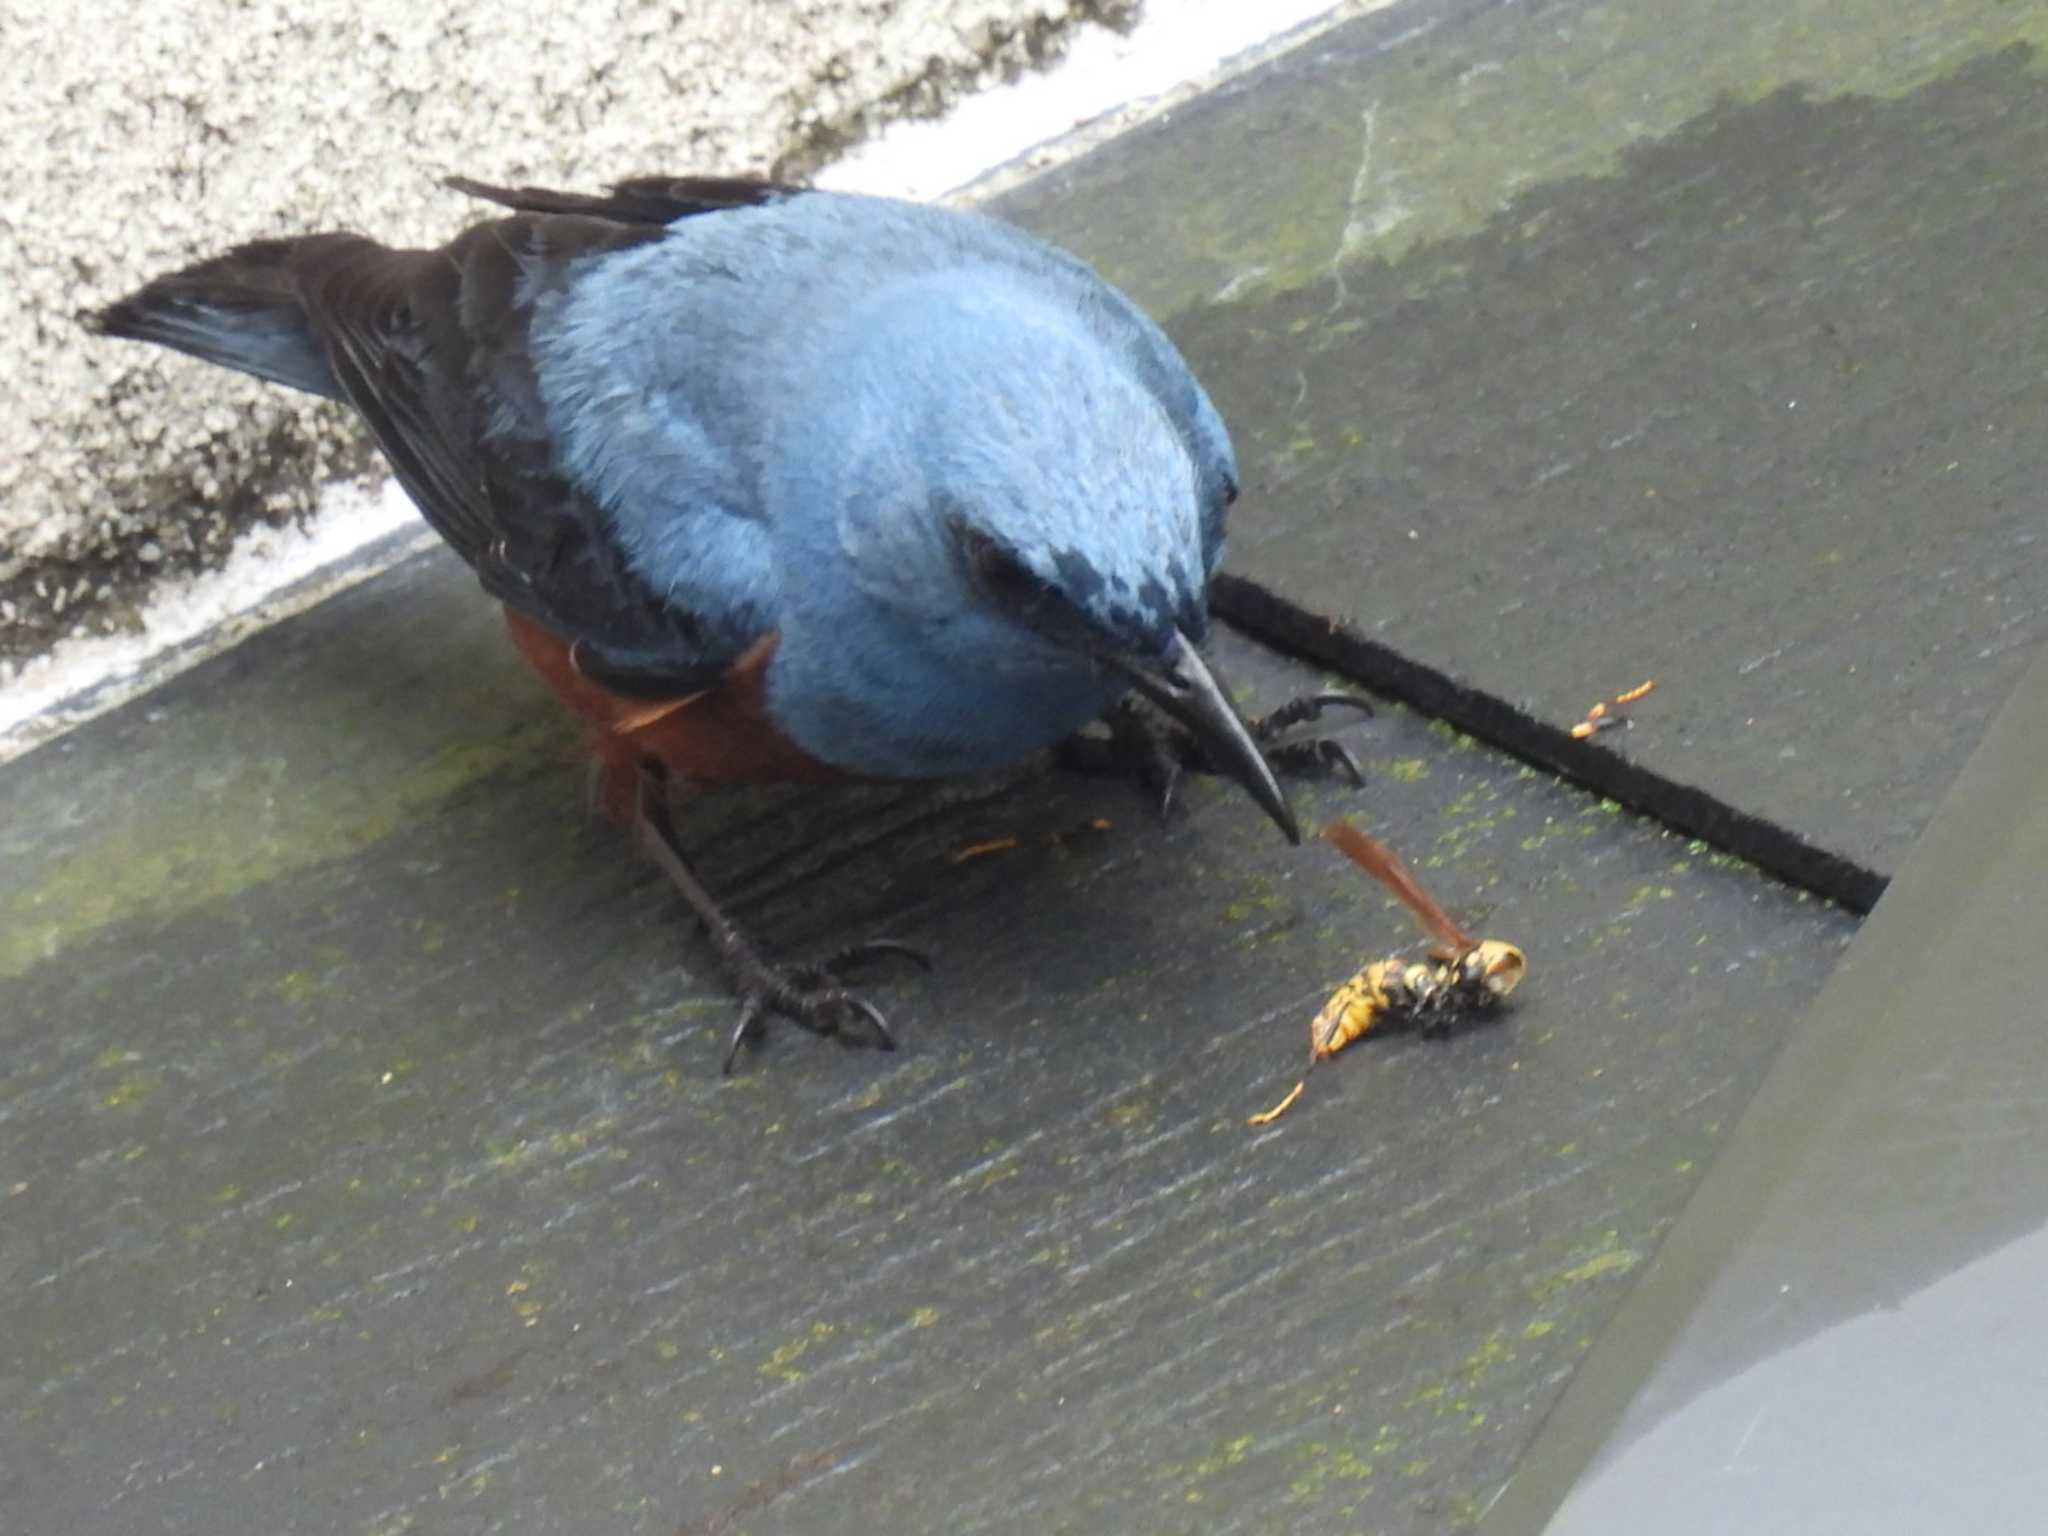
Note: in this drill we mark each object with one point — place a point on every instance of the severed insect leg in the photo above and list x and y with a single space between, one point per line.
1603 716
1267 1117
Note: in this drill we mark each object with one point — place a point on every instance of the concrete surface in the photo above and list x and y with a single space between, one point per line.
142 135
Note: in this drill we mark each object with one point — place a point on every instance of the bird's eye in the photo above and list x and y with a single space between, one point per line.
1005 578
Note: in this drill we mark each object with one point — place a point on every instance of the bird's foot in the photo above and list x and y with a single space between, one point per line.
1142 745
1292 747
1159 753
814 996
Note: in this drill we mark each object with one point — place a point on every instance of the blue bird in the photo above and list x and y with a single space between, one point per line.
773 483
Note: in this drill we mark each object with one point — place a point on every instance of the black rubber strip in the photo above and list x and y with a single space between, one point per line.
1288 627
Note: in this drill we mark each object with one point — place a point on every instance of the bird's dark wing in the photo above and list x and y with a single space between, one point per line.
642 200
431 348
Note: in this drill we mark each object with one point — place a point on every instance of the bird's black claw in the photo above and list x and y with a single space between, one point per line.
1322 752
748 1027
1140 745
811 998
883 1041
1271 728
1167 785
855 956
1292 750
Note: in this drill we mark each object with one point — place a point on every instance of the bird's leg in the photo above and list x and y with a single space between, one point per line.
811 995
1158 752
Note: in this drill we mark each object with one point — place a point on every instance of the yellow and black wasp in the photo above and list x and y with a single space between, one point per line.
1462 974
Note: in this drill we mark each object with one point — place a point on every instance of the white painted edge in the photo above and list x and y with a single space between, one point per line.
357 531
1105 82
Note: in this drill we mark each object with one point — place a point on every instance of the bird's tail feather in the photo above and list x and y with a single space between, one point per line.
240 310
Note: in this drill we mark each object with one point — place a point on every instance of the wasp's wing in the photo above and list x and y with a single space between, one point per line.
1385 866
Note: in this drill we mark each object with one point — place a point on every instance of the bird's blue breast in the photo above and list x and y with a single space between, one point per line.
892 705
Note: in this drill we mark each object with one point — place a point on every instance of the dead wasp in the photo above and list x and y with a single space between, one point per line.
1462 974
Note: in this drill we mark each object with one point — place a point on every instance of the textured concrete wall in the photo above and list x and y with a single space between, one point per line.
142 134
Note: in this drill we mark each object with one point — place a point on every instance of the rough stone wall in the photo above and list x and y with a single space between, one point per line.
142 134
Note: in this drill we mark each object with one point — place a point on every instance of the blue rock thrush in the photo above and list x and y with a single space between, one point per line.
772 483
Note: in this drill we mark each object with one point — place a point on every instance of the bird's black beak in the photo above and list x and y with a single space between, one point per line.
1183 686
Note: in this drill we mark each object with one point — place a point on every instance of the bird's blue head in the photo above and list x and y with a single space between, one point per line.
1016 531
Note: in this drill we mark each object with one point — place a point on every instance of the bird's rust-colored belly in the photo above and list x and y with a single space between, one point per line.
721 734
